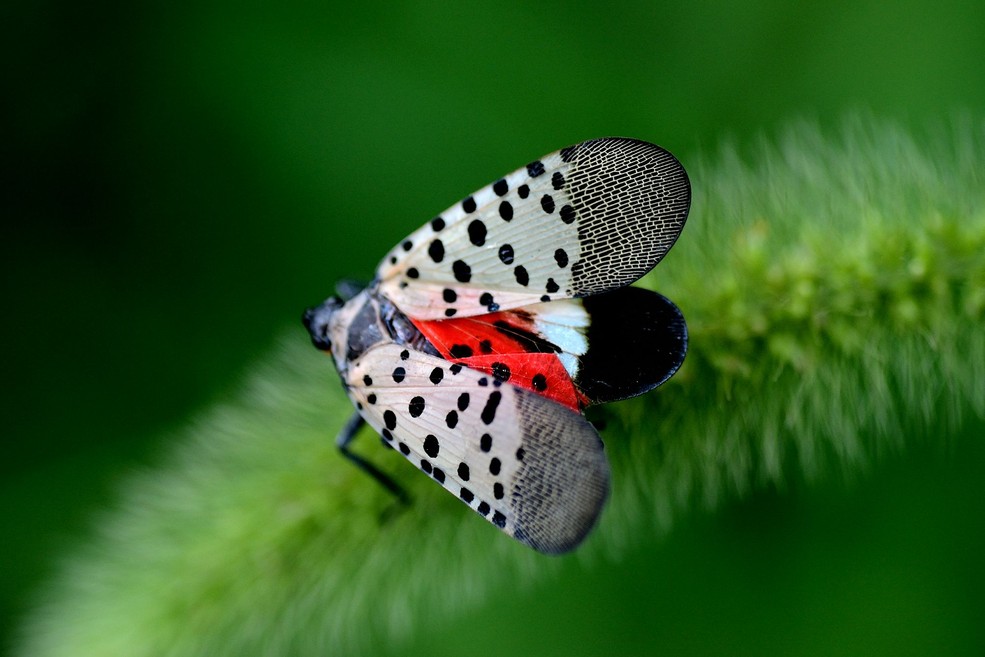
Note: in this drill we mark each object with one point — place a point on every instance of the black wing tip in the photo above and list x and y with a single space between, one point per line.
637 340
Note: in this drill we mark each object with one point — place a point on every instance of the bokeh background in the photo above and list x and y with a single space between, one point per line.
181 179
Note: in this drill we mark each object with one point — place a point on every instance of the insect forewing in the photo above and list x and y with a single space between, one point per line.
587 219
532 467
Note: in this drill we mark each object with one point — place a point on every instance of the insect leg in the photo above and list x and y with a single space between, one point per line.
343 440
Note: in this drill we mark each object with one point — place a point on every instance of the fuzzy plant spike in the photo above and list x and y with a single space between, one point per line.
834 288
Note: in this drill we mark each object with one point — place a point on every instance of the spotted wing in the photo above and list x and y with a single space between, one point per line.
587 219
531 467
577 352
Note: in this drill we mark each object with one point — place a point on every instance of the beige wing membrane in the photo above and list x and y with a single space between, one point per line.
531 467
589 218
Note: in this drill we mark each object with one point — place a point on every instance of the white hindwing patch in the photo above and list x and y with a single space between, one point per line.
563 323
589 218
532 467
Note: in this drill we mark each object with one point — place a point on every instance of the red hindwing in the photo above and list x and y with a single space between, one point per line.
506 346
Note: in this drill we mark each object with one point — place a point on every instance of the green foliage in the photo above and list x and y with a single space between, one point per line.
833 286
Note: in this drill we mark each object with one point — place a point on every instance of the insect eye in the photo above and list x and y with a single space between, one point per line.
320 339
325 341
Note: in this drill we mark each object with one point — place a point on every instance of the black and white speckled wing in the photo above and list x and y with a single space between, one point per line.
589 218
530 466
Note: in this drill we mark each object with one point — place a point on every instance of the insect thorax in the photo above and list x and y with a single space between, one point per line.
370 319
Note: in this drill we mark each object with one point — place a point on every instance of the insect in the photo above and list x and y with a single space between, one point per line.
486 332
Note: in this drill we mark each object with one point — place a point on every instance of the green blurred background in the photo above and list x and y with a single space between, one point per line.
181 179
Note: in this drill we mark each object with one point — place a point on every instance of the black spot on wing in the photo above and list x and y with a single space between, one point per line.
561 258
506 254
436 250
477 232
462 272
506 211
492 403
501 371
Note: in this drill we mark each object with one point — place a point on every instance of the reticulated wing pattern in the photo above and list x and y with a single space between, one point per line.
589 218
530 466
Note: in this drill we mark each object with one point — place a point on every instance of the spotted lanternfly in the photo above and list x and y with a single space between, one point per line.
487 331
